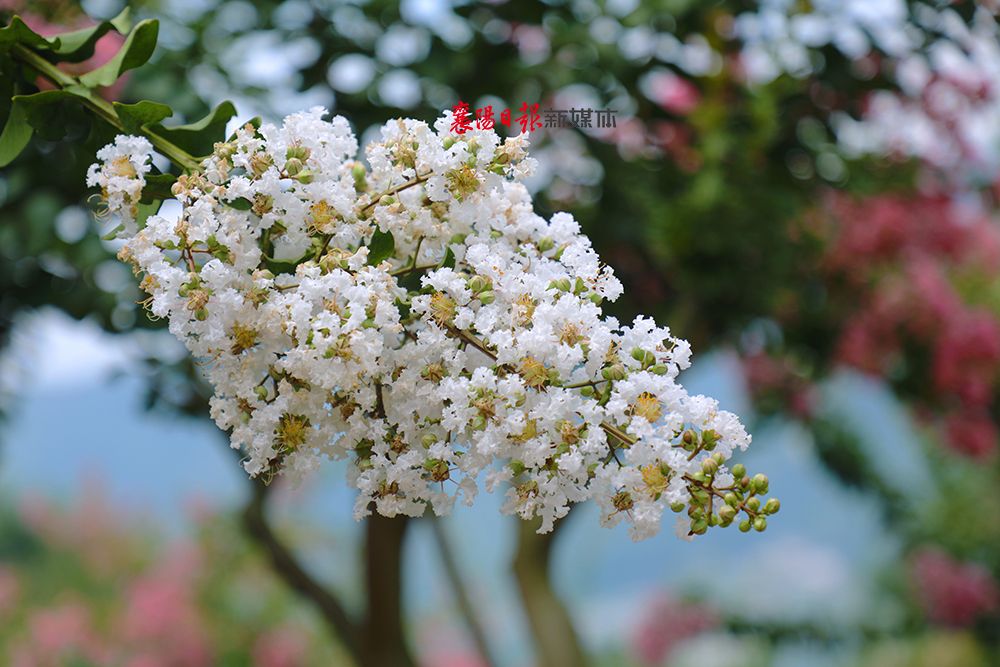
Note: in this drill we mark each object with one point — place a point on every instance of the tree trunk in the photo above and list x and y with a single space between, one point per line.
556 642
383 641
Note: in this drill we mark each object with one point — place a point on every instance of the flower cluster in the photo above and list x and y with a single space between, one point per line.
416 317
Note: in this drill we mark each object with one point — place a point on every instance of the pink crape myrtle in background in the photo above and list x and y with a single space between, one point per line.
951 592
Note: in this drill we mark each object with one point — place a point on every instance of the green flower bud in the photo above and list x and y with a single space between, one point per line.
428 439
709 466
261 393
448 142
753 504
613 372
677 506
760 483
658 369
727 514
744 526
731 499
739 470
760 524
201 314
772 506
487 297
293 166
517 467
545 244
587 391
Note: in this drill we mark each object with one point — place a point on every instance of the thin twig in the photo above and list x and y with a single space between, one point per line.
287 567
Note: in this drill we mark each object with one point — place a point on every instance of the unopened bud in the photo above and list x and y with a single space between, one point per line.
772 506
760 524
760 483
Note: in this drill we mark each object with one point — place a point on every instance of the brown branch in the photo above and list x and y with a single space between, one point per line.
556 641
287 567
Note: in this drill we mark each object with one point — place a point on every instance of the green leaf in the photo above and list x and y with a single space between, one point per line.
47 112
157 187
145 210
240 204
198 138
17 32
78 45
449 259
16 135
136 50
381 247
134 116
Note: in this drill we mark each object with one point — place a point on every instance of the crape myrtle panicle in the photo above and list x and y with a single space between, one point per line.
417 318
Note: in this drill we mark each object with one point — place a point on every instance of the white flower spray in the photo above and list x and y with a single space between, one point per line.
420 320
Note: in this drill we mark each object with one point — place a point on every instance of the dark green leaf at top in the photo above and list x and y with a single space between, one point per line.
17 32
381 247
136 50
134 116
78 45
200 137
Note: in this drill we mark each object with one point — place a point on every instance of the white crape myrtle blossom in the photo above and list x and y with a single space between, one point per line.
420 320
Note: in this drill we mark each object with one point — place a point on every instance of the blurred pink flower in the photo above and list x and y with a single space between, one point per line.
665 624
282 647
972 433
951 592
673 93
10 590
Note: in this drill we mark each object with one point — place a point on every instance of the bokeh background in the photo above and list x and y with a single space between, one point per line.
807 191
